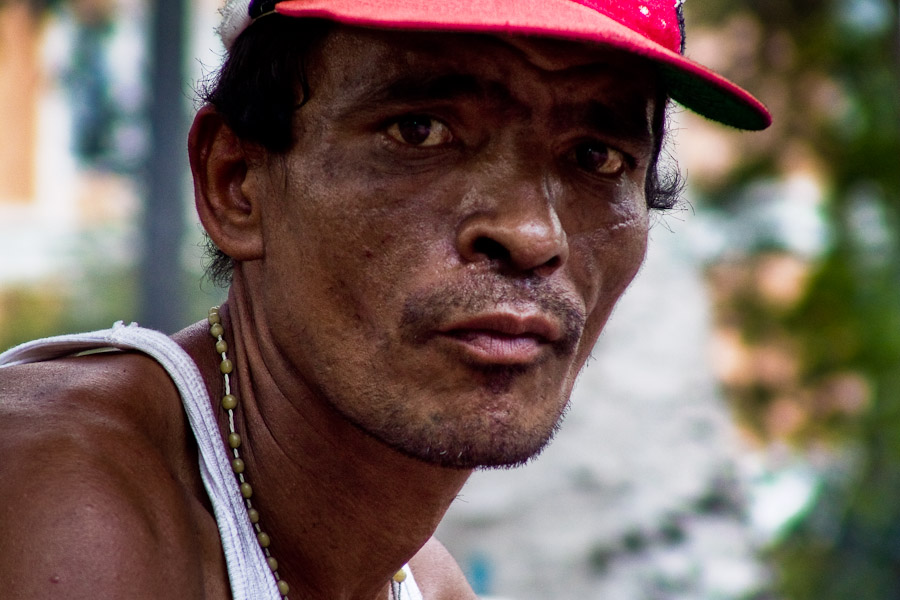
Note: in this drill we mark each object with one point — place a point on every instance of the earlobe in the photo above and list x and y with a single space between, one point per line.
219 165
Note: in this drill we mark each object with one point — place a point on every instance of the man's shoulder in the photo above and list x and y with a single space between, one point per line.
104 392
438 575
114 413
90 492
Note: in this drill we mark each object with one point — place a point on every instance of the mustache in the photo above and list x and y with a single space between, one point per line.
427 310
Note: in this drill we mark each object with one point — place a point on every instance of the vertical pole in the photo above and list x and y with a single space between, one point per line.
161 297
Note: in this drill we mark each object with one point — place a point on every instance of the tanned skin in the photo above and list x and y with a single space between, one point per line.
417 283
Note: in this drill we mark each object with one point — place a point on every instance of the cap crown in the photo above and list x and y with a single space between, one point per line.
659 20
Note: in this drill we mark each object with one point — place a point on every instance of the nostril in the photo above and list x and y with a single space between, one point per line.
490 248
554 263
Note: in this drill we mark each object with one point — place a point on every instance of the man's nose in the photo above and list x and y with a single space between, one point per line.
517 227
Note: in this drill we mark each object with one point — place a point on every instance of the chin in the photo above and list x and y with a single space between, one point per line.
499 452
497 438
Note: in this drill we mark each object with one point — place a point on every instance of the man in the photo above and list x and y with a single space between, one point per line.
426 213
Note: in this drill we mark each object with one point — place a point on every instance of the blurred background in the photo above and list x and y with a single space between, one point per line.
737 435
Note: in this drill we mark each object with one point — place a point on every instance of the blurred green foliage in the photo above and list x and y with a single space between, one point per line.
834 69
39 309
85 301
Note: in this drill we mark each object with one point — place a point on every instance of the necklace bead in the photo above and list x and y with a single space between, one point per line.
229 402
246 490
399 576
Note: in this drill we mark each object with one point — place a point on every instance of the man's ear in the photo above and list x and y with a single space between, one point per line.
219 165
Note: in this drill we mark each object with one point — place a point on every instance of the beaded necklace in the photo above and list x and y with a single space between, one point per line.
229 403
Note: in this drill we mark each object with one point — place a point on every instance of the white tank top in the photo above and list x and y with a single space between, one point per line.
248 571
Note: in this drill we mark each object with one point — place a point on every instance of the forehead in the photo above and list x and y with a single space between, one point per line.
363 60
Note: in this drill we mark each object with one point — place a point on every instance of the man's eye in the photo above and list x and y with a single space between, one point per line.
420 131
599 158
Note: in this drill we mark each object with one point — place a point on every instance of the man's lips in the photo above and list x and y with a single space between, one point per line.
503 338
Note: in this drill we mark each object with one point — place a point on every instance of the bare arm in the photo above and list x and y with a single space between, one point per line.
90 509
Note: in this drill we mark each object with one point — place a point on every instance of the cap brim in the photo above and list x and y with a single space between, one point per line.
689 83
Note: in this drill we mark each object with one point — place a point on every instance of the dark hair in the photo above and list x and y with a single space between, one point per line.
264 80
256 91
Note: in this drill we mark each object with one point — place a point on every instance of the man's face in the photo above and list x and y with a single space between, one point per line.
450 233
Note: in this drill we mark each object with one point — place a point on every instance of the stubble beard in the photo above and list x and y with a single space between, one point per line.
488 436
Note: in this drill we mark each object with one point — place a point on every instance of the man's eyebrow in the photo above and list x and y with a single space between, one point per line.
628 121
426 87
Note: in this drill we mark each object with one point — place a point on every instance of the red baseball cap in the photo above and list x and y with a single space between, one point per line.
650 28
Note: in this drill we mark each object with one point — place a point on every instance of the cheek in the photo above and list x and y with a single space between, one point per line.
609 246
608 258
360 239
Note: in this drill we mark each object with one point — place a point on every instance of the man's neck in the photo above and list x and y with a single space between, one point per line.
344 511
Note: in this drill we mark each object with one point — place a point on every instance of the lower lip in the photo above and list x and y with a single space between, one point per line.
489 347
